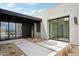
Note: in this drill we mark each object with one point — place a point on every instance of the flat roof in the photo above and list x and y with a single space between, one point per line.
19 15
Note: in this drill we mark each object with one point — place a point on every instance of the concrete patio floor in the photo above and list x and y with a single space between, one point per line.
30 48
43 48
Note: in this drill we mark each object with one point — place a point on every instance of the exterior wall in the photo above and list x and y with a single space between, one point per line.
78 24
70 9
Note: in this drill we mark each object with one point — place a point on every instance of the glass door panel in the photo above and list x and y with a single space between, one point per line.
66 29
59 29
12 30
63 29
53 29
4 30
18 30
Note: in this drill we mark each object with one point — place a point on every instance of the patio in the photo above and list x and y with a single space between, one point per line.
42 48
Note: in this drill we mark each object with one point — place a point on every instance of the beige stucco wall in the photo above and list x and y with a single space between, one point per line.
64 9
78 24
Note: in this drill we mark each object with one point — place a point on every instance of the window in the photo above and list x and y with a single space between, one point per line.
18 30
4 30
10 30
59 29
38 27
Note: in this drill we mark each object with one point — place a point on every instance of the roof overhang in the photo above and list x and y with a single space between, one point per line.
3 11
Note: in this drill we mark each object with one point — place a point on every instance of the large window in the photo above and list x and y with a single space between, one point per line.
4 30
18 30
10 30
59 29
53 29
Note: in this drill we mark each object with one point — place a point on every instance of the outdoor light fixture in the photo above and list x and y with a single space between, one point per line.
75 20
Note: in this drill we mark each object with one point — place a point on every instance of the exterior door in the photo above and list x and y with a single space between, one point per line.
53 29
4 30
59 29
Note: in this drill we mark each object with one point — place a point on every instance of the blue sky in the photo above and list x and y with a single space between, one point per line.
27 8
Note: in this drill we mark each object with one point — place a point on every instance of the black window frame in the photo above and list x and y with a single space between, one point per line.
9 31
57 26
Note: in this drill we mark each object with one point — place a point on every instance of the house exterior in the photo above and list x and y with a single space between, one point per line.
63 10
58 23
15 25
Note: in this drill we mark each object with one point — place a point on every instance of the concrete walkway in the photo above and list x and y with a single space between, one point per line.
30 48
38 49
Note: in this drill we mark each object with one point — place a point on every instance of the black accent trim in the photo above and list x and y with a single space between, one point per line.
19 15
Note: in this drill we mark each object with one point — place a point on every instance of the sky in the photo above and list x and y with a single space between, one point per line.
27 8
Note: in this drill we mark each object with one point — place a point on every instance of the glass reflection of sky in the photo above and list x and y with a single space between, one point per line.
12 26
4 25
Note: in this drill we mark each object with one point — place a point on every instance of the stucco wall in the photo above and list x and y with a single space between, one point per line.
70 9
78 24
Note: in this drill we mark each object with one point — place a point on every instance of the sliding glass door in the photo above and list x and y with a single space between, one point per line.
12 32
9 30
53 29
59 29
4 30
63 29
18 30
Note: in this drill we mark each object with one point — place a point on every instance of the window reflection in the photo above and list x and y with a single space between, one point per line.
59 29
11 30
4 30
18 30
